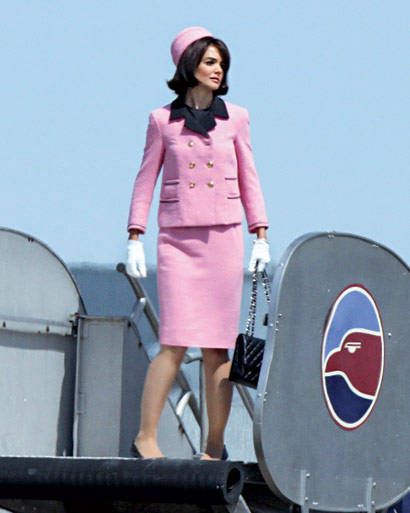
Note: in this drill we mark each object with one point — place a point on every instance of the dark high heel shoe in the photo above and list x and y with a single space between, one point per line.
225 454
135 452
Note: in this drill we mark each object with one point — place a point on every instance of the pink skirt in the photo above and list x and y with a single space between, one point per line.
200 275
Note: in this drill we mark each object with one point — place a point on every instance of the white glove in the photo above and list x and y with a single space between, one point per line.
136 259
260 251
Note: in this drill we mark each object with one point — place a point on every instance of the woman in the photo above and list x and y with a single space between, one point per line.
203 145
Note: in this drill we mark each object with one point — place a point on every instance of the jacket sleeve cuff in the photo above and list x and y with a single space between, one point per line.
138 227
253 227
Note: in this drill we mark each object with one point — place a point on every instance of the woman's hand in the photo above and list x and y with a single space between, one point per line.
136 259
260 253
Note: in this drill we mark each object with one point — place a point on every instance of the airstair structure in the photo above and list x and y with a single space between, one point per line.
329 419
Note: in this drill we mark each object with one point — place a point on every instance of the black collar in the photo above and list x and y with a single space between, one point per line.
206 121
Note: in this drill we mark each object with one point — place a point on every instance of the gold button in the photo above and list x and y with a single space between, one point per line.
191 165
210 163
211 184
191 185
190 143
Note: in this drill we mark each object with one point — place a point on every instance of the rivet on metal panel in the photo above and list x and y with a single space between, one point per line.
369 495
276 329
307 474
389 334
303 493
315 503
271 325
259 395
360 505
279 315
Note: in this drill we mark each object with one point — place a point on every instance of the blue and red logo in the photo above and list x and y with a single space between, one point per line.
352 357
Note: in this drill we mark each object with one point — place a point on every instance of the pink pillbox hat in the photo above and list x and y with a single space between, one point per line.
184 39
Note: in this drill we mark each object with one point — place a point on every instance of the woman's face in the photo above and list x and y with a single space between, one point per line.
209 72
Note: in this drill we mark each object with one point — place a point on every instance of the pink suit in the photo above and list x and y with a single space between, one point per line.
207 182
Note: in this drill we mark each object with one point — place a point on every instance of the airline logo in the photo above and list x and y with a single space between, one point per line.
352 357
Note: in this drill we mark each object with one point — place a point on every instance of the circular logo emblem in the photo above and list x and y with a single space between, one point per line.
352 357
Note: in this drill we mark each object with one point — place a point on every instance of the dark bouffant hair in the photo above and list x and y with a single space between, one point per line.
189 61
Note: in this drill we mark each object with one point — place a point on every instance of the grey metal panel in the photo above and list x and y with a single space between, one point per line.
98 387
303 454
38 293
105 291
36 394
111 368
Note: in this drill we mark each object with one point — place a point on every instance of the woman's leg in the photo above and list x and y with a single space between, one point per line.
218 398
158 381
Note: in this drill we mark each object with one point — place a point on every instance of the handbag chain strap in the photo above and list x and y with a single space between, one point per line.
250 322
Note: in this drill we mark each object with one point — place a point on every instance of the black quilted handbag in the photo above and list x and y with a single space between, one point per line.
248 355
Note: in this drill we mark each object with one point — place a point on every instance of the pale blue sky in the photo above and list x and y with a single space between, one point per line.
326 84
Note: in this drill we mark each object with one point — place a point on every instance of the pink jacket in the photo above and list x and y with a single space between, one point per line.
205 181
